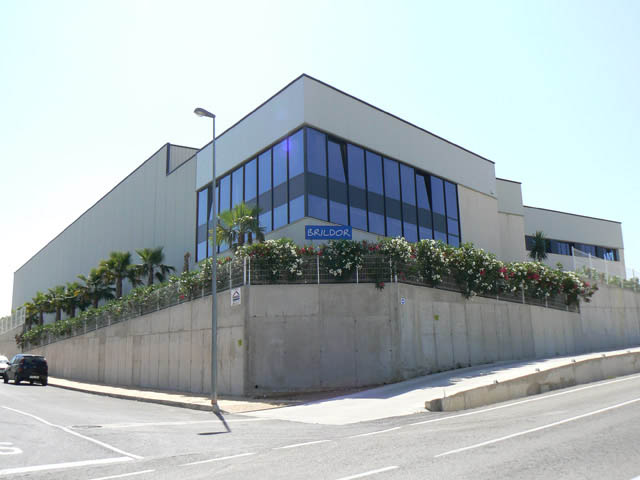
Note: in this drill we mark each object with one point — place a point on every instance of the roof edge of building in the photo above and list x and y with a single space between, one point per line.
573 214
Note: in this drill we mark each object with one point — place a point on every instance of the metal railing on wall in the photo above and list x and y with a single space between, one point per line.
375 269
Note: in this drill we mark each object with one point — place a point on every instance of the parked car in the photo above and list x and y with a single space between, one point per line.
32 368
4 364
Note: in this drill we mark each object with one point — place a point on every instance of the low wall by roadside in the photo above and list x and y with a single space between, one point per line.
284 338
576 373
8 346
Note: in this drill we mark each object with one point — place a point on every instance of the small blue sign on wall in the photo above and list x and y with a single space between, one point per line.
327 232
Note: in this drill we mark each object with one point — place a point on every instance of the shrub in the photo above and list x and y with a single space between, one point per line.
433 259
342 257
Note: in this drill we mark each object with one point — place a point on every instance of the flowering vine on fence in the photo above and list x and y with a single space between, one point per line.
475 271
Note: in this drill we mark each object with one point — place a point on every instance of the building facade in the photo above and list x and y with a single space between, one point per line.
312 154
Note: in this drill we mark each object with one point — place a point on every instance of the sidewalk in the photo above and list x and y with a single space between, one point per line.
174 399
451 390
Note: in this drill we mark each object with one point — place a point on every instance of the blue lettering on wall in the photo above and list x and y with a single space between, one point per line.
327 232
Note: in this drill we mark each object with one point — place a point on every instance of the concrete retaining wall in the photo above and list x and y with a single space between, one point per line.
315 337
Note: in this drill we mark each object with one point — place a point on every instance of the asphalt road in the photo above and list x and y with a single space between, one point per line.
585 432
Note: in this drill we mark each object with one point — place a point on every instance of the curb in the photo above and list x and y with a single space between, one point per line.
575 373
170 403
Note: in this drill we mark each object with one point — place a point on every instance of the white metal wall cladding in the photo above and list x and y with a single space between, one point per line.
147 209
308 101
573 228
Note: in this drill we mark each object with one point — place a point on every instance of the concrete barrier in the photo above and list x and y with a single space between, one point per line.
576 372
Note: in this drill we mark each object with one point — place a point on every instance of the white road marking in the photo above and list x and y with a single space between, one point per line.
534 399
301 444
370 472
58 466
65 429
375 433
191 422
216 459
7 449
537 429
124 475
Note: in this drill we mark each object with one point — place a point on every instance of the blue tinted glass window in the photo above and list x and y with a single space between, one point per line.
391 179
336 163
337 185
237 187
296 154
317 207
201 252
316 152
202 227
424 208
264 172
355 156
375 193
296 176
317 174
280 163
225 193
265 221
357 187
393 206
250 182
394 227
279 216
410 232
296 209
203 200
452 226
451 196
374 173
437 202
265 203
437 195
454 241
409 213
280 194
407 175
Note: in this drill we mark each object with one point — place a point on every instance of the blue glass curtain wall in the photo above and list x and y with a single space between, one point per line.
310 173
350 185
274 180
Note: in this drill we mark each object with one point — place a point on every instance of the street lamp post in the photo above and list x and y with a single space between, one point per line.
201 112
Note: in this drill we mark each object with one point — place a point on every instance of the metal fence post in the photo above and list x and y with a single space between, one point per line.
244 271
318 267
230 280
357 274
249 270
522 290
84 322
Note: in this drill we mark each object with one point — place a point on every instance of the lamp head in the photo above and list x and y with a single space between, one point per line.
201 112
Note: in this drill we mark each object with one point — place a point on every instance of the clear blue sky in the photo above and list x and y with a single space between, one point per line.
547 89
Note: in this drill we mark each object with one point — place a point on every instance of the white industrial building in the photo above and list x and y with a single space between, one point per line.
313 154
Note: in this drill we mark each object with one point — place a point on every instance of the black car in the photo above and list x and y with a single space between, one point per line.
31 368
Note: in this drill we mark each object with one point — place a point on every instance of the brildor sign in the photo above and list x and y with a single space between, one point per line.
327 232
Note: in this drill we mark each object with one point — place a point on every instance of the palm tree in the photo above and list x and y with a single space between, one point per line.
96 287
57 297
41 306
118 268
152 259
76 298
538 247
237 224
